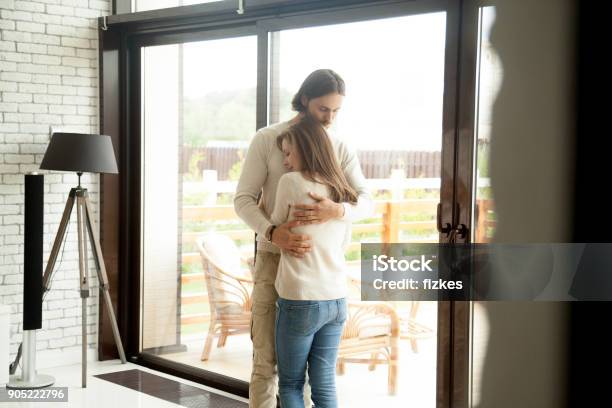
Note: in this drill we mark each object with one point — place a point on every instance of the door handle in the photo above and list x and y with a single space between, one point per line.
460 231
446 229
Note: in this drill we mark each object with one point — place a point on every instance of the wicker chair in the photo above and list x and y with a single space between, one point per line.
411 329
373 329
229 289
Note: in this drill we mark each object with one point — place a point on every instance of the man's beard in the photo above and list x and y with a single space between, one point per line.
325 124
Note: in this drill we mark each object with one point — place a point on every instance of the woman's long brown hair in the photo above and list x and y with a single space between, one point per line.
319 161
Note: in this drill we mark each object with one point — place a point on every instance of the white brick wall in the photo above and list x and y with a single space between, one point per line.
48 77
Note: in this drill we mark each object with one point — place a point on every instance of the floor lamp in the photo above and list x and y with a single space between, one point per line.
82 153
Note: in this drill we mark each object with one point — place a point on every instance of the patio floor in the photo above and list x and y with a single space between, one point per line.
358 387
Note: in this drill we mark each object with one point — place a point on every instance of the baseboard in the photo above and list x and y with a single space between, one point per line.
62 357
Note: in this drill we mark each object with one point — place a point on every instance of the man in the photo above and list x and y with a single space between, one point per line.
320 96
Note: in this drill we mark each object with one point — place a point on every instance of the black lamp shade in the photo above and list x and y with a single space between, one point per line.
82 153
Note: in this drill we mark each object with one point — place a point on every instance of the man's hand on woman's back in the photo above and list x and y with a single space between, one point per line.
322 211
299 244
294 244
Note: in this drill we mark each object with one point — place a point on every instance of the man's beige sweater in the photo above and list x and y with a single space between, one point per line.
263 167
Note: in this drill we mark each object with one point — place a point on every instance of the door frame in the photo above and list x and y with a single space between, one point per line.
120 217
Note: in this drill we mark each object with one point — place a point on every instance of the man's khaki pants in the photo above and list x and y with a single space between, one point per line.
264 378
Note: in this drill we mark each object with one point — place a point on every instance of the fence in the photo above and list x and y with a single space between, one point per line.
390 227
376 164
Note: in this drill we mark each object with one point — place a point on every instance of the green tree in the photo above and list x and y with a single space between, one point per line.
228 115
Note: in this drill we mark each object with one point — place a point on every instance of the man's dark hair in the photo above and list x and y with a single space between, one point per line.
318 83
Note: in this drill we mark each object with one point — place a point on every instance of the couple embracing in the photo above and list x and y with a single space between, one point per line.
312 189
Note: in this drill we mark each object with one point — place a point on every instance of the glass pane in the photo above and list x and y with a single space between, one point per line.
489 75
198 116
392 117
143 5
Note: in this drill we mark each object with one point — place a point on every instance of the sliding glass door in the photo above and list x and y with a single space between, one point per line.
198 114
392 118
198 92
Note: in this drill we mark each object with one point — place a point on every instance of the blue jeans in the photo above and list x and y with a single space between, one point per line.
308 331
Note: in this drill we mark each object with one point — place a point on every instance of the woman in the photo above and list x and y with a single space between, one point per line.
311 309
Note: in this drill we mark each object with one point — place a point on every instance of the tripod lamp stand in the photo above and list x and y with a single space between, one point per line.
82 153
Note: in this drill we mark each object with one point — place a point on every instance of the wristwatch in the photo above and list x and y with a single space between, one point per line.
269 232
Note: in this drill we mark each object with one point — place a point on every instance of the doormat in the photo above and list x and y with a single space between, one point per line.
170 390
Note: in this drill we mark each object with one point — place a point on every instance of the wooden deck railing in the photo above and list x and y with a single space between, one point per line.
388 211
390 227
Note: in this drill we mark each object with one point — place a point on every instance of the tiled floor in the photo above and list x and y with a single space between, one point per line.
101 393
